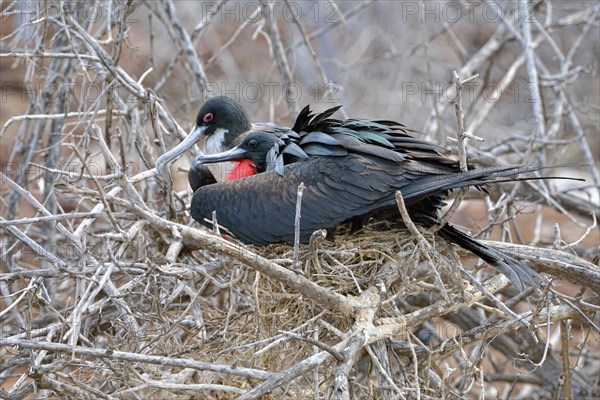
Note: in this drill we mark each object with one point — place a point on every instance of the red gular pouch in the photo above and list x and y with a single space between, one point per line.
242 169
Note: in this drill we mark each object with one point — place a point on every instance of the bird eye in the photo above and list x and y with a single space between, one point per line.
208 117
252 143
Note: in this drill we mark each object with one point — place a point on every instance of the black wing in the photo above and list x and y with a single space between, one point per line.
260 209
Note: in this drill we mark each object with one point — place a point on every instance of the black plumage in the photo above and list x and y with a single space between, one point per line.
351 169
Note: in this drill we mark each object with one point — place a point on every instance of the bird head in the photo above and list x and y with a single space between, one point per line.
222 113
219 123
254 148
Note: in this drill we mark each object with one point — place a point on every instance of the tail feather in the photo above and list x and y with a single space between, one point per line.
518 273
477 177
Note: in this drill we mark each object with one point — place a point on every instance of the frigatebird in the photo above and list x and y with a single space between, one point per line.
351 169
220 125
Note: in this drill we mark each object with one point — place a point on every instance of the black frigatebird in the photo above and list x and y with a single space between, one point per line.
220 125
351 168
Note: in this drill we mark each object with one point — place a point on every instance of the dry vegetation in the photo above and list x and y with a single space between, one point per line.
109 289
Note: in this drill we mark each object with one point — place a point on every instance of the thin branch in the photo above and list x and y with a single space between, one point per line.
141 358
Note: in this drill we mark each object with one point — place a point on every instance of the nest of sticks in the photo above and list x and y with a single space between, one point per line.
175 308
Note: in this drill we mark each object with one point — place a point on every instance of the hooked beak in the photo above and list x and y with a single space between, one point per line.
234 154
170 156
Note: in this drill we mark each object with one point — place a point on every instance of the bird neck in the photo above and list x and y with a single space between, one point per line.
242 169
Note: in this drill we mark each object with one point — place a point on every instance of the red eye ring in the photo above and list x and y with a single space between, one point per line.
208 117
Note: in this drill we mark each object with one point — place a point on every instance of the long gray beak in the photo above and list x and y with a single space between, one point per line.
170 156
234 154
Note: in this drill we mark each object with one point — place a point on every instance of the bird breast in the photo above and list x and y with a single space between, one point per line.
212 144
